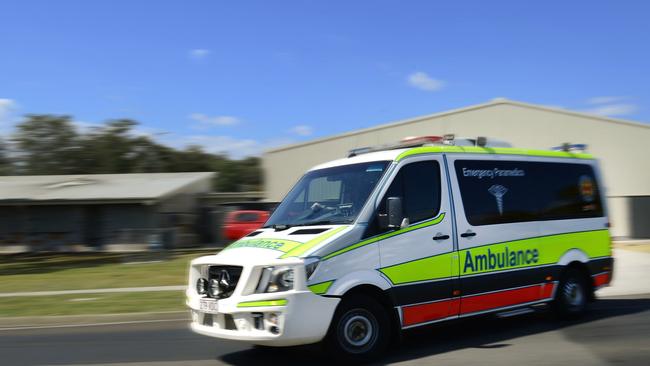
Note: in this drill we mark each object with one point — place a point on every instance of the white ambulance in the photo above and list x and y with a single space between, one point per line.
396 237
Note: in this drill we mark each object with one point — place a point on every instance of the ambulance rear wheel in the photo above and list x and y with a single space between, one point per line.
571 296
360 330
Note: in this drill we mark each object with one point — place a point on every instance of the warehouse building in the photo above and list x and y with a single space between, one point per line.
102 211
623 148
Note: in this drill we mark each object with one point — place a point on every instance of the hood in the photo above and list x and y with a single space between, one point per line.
294 242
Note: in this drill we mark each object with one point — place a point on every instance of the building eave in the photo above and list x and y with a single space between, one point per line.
64 202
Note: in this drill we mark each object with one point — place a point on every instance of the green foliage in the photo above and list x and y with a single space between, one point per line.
6 167
48 143
51 144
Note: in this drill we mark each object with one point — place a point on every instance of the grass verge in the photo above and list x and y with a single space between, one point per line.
95 270
107 303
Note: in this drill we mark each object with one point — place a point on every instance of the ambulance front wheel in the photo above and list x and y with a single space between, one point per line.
360 330
572 295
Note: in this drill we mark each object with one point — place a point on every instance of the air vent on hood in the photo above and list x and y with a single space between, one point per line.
255 233
308 231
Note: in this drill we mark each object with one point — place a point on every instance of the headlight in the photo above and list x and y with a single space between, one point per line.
275 279
213 289
311 263
202 286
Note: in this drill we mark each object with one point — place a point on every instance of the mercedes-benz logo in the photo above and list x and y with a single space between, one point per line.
224 279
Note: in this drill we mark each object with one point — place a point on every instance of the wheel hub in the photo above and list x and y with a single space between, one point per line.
573 294
358 330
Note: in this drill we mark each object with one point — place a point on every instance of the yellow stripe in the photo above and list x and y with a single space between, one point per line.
429 268
301 249
321 288
251 304
434 221
491 150
265 243
549 250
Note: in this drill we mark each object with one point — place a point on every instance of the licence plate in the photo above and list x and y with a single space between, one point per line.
208 306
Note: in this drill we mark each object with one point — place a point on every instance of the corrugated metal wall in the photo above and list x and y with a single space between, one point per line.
623 149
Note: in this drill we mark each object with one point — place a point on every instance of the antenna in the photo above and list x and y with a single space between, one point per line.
568 147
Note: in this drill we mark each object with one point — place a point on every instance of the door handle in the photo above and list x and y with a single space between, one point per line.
441 237
467 234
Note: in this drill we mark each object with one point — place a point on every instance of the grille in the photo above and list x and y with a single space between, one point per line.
225 277
207 320
229 322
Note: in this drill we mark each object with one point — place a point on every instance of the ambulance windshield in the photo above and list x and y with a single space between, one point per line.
328 196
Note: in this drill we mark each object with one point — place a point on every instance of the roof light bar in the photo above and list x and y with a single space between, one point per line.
403 143
420 140
359 151
448 139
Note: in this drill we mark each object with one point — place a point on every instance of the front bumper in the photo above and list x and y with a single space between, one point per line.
280 319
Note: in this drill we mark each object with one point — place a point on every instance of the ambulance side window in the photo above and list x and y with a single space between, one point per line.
501 192
418 184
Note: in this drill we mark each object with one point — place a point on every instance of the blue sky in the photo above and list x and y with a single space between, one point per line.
242 76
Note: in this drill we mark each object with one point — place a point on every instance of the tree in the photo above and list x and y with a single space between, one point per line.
48 144
239 175
6 166
110 148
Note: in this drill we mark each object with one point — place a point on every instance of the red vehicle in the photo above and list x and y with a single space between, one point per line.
242 222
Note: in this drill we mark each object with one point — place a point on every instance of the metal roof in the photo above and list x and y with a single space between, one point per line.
141 187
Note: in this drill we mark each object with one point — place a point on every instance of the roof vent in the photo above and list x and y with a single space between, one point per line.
308 231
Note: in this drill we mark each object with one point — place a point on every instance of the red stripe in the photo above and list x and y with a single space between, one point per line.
601 279
415 314
505 298
547 291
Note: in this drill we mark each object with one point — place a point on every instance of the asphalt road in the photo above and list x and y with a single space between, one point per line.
616 331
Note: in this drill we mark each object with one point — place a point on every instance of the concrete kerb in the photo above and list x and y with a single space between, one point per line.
630 269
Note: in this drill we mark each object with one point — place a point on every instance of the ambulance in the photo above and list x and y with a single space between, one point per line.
400 236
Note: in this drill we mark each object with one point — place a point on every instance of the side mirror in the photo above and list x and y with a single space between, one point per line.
394 212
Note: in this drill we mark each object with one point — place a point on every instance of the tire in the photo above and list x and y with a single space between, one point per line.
360 330
572 295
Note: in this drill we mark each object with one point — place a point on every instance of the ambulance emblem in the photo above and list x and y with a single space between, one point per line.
586 186
498 191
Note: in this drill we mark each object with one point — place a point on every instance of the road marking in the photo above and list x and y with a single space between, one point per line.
94 324
157 363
